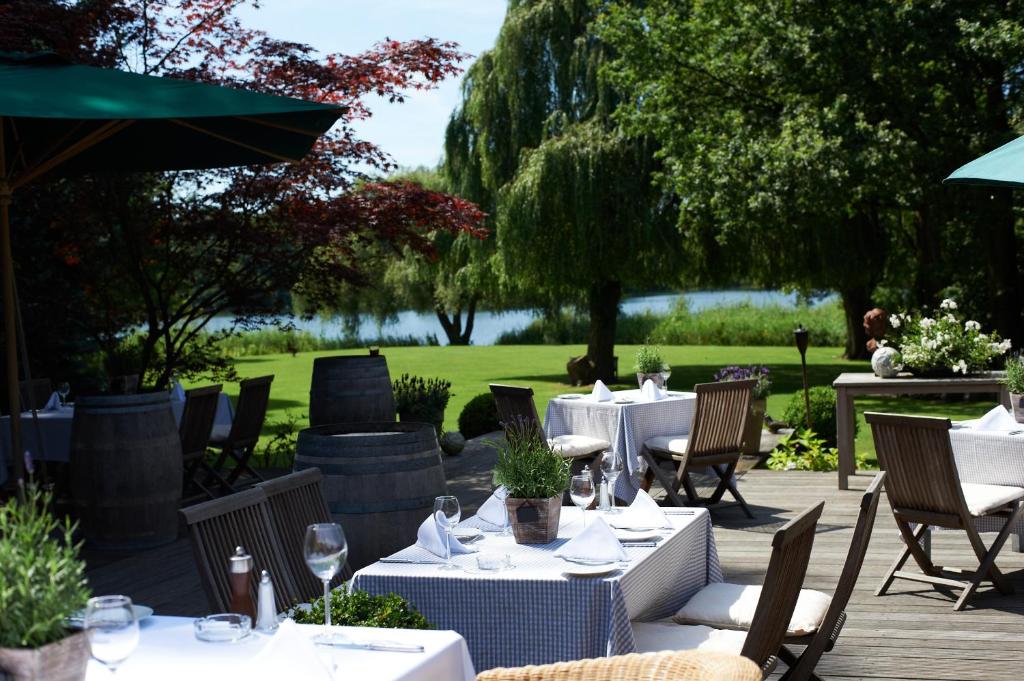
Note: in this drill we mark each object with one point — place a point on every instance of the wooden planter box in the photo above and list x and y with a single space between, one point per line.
534 521
63 660
755 423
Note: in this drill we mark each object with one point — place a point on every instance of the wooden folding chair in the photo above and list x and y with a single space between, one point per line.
216 527
296 502
240 444
714 442
35 393
924 488
197 419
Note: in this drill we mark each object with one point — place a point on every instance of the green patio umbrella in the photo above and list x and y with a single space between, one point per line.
1002 167
57 117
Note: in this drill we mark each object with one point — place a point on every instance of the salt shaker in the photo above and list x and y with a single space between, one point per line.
604 500
266 610
240 577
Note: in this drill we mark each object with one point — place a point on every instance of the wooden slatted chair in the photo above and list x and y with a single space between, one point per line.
240 444
791 552
692 665
244 519
924 488
714 442
35 393
197 418
296 502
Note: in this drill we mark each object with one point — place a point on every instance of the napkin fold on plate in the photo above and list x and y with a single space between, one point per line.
177 392
52 404
493 510
596 543
601 393
290 654
996 419
651 392
431 536
643 514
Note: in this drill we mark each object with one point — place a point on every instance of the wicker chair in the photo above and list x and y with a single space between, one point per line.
240 444
924 488
694 665
35 393
713 442
197 419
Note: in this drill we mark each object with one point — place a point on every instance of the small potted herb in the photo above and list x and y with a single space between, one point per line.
535 478
1015 385
650 365
422 400
358 608
758 400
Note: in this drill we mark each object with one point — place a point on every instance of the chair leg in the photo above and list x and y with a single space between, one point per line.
726 484
668 482
987 566
898 564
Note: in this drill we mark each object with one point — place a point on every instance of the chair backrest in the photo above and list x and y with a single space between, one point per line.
253 397
242 519
720 417
197 418
917 457
296 502
791 552
35 393
127 384
516 409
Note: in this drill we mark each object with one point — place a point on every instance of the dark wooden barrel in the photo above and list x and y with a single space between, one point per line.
380 480
350 389
126 469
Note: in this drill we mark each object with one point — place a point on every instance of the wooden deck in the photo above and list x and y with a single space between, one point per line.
912 633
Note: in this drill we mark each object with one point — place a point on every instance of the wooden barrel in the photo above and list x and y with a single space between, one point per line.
350 389
126 469
380 480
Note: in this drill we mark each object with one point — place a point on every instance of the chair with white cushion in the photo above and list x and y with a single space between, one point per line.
691 665
924 488
776 603
515 406
713 442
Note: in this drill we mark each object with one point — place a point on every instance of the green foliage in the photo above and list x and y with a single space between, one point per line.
479 416
271 341
823 412
276 448
358 608
412 392
944 341
649 360
527 467
569 326
1015 374
803 450
43 578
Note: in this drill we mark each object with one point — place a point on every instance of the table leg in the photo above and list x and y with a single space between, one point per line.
844 437
1004 397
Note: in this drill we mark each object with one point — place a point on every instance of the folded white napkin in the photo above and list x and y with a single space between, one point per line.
601 393
493 510
597 542
997 418
651 392
431 537
177 392
52 404
290 654
644 513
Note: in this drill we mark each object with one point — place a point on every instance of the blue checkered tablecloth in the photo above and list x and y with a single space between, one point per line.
533 614
626 426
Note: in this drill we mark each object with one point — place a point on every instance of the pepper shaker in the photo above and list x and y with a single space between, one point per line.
240 577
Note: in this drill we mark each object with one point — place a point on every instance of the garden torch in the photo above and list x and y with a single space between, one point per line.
800 334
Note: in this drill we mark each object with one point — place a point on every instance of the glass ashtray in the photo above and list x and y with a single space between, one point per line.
227 627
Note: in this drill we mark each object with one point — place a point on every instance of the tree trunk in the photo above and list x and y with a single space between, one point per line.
457 332
1001 262
604 310
856 301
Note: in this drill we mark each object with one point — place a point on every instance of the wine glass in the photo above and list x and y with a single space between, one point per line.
666 372
611 466
325 550
63 390
447 511
113 629
582 492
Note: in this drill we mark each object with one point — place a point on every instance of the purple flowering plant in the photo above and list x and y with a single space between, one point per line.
763 387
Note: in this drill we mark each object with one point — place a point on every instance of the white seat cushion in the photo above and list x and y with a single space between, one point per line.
982 499
654 637
571 446
675 444
731 606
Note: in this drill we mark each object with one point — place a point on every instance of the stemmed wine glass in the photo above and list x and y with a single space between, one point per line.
611 466
582 493
325 551
113 629
63 390
666 372
448 512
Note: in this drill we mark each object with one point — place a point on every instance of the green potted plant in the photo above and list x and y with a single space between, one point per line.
758 401
43 583
650 365
358 608
535 478
422 400
1015 385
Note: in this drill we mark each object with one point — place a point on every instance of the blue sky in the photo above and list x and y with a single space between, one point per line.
411 132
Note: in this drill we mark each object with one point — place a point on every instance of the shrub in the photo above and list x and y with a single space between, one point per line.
749 324
649 360
527 467
357 608
479 416
823 412
1015 374
763 387
422 399
804 450
278 450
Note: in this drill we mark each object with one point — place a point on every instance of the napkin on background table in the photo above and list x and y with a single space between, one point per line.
651 392
644 513
431 536
996 419
177 392
290 654
52 404
597 543
601 393
493 510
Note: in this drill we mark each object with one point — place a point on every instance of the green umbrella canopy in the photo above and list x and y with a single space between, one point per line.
1002 167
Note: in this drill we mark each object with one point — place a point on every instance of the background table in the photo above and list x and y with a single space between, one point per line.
848 386
991 458
626 426
534 614
168 650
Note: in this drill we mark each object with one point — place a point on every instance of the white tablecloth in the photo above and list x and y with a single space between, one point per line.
626 426
169 651
992 458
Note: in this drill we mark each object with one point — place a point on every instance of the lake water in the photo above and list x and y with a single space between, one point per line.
489 325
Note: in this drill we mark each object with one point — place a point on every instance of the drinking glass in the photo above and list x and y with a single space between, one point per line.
447 511
611 466
325 550
63 390
113 629
582 493
665 374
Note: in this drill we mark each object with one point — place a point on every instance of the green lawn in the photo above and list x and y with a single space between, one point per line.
470 369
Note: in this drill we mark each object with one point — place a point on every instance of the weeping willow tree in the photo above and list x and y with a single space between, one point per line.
576 215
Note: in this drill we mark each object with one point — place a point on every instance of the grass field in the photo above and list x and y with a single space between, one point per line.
471 368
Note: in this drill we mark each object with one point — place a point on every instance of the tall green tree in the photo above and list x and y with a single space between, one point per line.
576 214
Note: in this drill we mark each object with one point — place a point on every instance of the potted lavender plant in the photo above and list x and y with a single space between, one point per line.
758 400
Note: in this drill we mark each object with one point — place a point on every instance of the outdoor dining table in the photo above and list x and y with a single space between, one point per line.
991 458
627 422
535 614
169 651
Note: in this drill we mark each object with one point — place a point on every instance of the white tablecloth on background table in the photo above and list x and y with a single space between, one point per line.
533 614
169 651
626 426
991 458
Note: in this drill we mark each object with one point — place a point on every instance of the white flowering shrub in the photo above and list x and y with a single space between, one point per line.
944 341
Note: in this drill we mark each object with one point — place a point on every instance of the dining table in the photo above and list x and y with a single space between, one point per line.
537 611
626 421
